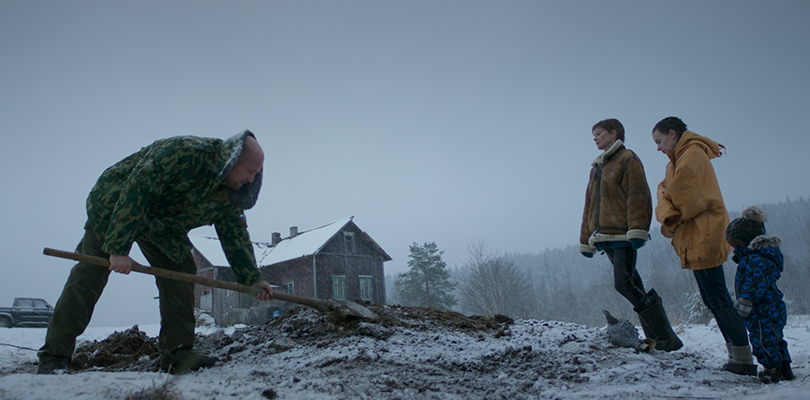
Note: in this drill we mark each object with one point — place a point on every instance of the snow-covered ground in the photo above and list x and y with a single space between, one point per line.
414 354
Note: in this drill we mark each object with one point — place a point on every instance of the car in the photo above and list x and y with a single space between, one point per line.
26 313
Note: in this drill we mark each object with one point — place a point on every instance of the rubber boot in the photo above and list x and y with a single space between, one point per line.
55 366
183 359
648 345
741 362
647 332
655 323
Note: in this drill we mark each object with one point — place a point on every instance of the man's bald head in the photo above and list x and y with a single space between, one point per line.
248 164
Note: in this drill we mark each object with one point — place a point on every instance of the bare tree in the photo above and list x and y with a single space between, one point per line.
491 284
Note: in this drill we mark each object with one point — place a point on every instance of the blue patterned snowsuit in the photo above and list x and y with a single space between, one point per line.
759 267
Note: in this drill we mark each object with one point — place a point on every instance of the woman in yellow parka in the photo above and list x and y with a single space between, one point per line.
692 213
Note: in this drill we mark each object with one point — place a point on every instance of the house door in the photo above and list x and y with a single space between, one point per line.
207 300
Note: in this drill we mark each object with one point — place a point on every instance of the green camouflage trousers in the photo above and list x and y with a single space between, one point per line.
83 289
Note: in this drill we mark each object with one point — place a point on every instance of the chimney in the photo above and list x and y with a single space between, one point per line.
293 231
276 238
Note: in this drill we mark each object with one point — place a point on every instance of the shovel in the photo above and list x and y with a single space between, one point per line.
347 308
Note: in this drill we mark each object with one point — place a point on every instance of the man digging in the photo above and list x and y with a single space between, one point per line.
154 198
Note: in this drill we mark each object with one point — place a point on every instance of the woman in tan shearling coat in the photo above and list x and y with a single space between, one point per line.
691 210
616 221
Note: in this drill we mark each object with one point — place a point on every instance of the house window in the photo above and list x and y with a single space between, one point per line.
348 242
288 287
339 287
365 288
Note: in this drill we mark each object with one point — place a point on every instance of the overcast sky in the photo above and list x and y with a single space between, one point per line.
445 121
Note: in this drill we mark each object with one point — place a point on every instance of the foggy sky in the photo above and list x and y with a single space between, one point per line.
445 121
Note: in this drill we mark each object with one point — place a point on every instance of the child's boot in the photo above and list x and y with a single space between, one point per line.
787 373
771 375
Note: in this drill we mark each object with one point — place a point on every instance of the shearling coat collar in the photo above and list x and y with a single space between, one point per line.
605 156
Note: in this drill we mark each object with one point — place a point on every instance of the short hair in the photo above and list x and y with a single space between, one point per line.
673 123
609 125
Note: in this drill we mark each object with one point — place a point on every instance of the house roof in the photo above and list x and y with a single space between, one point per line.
304 244
210 248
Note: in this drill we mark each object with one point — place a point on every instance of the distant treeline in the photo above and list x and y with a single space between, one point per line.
565 286
570 287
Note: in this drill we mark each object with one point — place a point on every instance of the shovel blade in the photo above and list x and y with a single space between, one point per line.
356 310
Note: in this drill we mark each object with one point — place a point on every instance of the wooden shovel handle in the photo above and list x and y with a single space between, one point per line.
180 276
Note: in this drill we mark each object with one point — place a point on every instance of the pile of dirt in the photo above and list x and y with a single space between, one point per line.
133 350
310 326
130 350
431 319
417 352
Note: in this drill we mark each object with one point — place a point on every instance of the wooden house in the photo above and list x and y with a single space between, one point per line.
335 261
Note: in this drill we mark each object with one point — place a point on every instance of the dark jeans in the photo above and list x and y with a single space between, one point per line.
84 286
713 290
626 279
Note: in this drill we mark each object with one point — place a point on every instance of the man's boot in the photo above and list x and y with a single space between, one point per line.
740 360
183 359
53 366
656 325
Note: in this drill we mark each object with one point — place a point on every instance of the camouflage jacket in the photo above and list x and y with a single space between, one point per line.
167 189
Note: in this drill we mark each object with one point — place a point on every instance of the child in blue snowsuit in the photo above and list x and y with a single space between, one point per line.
759 265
